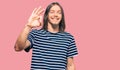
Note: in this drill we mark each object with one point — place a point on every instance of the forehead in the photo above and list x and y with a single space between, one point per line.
55 7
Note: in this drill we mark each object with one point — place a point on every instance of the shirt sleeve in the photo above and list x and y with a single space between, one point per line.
72 49
31 37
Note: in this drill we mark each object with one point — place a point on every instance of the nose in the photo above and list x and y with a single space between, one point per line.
56 14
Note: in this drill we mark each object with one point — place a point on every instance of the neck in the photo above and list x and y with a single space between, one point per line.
53 29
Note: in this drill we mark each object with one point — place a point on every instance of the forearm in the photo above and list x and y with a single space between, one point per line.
22 38
71 67
70 64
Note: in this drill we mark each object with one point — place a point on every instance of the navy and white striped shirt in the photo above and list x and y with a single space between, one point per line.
50 50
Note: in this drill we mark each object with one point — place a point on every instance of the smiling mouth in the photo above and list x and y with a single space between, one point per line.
55 19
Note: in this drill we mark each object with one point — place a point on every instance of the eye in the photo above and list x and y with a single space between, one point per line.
59 12
51 11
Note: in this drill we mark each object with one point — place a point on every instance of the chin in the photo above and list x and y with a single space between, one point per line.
55 23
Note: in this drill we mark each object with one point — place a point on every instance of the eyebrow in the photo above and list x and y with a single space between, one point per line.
54 10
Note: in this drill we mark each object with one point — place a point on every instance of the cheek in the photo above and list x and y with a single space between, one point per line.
60 16
50 14
49 17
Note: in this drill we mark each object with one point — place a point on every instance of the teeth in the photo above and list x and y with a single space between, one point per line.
55 18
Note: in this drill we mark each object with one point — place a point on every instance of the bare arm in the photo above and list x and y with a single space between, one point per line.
70 64
22 42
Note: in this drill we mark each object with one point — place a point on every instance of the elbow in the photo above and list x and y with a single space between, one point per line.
71 67
18 48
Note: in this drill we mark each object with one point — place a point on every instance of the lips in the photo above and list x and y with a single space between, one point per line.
55 19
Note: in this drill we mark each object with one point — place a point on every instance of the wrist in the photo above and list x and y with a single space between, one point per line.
28 26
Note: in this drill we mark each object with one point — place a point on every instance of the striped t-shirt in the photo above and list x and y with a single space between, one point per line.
50 50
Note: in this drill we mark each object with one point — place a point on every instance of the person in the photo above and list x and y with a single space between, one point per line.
52 47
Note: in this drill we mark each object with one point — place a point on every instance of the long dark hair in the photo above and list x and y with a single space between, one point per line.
45 19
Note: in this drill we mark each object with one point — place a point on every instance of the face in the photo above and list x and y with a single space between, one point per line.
55 15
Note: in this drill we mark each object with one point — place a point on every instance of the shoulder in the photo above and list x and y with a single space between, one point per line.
70 37
68 34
